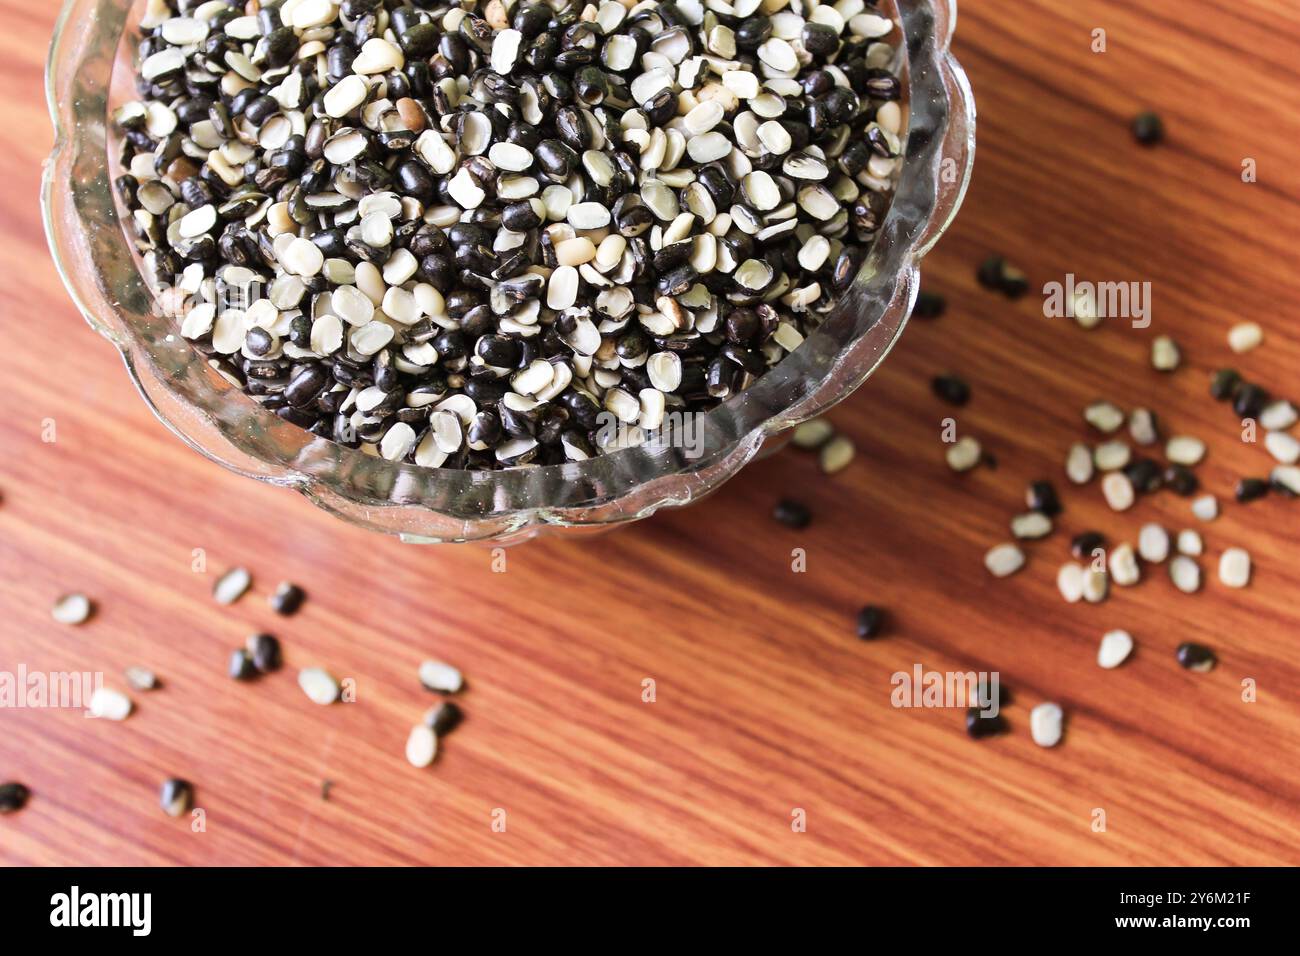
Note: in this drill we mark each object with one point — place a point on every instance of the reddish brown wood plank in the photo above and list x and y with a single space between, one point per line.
765 699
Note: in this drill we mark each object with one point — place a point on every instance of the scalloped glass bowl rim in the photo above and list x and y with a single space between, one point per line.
636 481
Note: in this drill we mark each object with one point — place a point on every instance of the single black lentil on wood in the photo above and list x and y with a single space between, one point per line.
1249 400
929 305
13 797
1083 544
1224 384
1196 657
1251 489
998 274
1148 128
1041 496
1145 474
265 653
980 725
456 235
241 665
792 513
444 717
287 599
871 620
951 389
1181 480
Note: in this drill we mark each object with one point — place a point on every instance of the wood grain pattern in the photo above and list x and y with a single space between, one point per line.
765 699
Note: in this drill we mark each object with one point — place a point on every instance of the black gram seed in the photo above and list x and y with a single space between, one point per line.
241 665
13 797
871 620
1249 400
1181 480
1196 657
980 726
1145 475
1251 489
265 652
1041 496
997 274
1083 545
443 718
176 797
792 514
951 389
989 272
287 599
1148 128
929 305
1224 384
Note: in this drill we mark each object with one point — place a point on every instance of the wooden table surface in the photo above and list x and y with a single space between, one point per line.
766 702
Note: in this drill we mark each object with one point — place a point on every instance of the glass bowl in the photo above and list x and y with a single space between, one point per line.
90 71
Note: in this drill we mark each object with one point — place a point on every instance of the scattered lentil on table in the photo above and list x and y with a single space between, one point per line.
232 585
792 514
998 274
141 678
980 725
265 652
110 704
1148 128
176 797
1115 648
241 666
929 305
13 796
1196 657
72 609
443 717
319 685
441 678
870 621
1046 724
287 599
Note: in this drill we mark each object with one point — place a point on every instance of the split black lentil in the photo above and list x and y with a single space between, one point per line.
1224 384
1181 480
929 305
1249 400
1041 496
1148 128
1083 545
998 274
1251 489
1196 657
455 234
264 650
241 665
980 725
871 620
951 389
1145 474
443 718
13 797
792 514
176 797
287 599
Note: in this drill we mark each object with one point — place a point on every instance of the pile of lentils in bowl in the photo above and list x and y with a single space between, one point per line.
474 235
